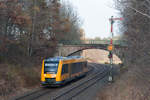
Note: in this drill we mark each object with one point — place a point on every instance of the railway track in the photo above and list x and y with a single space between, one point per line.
35 94
74 89
39 92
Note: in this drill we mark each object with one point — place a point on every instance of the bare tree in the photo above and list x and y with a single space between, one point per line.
33 26
136 29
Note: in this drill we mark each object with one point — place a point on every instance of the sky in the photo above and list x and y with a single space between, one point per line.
95 15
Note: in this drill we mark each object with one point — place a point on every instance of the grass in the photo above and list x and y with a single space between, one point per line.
14 78
133 84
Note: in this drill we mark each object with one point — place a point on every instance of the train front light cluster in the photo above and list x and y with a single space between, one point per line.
51 76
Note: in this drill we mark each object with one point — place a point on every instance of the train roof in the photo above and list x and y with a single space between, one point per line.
63 58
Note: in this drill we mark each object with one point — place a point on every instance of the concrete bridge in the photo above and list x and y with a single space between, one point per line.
70 48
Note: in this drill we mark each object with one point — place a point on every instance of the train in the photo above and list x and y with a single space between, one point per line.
57 71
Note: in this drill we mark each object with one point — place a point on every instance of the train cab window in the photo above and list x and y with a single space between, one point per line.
65 69
51 67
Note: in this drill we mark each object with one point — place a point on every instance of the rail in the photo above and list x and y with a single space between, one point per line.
89 82
81 87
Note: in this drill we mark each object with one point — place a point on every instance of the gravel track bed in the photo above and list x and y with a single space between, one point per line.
78 88
39 93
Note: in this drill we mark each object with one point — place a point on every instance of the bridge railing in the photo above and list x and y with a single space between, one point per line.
115 42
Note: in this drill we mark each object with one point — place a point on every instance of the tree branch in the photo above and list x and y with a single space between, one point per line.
139 12
148 1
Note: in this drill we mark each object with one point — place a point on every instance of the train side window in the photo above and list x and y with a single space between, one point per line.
77 67
81 67
85 64
65 69
73 68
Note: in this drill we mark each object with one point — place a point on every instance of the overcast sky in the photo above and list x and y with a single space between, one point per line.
95 15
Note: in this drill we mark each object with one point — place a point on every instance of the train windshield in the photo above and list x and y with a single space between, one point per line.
51 67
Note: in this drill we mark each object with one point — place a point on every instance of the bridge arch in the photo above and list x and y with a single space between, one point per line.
100 55
68 50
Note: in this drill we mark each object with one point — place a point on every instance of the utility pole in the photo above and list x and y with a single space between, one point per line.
111 48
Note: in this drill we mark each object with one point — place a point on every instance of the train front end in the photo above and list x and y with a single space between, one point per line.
49 71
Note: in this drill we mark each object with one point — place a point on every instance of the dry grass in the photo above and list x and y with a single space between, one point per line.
15 78
132 85
99 56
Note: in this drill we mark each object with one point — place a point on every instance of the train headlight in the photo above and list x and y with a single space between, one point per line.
53 75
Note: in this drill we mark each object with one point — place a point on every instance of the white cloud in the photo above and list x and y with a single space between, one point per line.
95 14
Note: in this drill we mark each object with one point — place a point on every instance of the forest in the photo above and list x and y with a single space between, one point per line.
30 31
33 28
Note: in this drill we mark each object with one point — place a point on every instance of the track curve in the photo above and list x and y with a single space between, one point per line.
56 93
